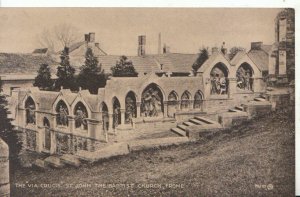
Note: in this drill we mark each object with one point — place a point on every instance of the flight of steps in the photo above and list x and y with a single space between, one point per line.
57 161
197 120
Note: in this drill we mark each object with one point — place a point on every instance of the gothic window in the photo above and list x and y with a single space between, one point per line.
62 114
152 101
218 79
30 111
81 116
198 100
185 100
244 77
130 107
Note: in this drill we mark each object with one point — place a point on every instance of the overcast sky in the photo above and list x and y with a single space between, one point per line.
117 29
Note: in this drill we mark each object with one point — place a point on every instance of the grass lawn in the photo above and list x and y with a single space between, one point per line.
255 159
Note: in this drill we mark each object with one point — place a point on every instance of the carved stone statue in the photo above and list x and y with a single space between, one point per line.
151 103
80 118
30 115
62 116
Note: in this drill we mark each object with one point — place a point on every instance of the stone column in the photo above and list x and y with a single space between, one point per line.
110 122
53 142
165 109
138 109
232 87
4 169
122 116
71 121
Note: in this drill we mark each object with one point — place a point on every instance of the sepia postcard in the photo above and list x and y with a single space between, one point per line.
147 102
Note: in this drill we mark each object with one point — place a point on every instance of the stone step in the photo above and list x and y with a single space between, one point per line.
181 126
71 160
188 123
178 131
54 161
194 120
40 164
203 120
240 108
259 99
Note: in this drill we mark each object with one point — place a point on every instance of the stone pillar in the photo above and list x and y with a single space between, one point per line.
110 122
165 109
90 145
70 146
53 142
71 126
138 109
4 169
232 87
122 116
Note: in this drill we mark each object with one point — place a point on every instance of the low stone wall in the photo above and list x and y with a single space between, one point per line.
229 119
258 108
4 169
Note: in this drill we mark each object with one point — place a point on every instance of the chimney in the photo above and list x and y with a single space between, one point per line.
166 49
214 50
92 36
86 37
256 45
97 44
159 44
141 47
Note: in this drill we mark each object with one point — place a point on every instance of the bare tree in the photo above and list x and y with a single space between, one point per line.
59 37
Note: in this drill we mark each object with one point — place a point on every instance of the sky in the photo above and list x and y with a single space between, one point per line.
185 30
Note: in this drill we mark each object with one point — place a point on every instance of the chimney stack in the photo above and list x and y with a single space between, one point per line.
256 45
159 44
166 49
141 47
86 37
92 37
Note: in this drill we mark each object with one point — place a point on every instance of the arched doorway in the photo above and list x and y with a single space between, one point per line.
172 104
244 76
116 112
62 114
185 100
130 107
105 116
219 79
152 101
30 111
81 116
47 136
198 100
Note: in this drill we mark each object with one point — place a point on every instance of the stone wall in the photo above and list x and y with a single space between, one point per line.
4 169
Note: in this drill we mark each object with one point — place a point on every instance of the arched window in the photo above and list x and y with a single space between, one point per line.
198 100
116 112
130 107
105 116
30 111
62 113
219 79
46 122
172 104
185 100
81 116
152 101
244 76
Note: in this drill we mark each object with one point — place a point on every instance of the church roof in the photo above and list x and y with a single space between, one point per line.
15 63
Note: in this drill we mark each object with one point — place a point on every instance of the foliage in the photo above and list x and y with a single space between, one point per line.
124 68
65 73
43 79
91 75
6 129
203 56
234 50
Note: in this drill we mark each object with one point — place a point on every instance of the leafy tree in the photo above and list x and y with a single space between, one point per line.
91 75
6 129
65 73
43 79
124 68
203 56
234 50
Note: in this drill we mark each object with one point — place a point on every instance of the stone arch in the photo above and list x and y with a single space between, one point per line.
105 116
198 100
185 100
172 103
62 112
30 107
244 76
130 107
152 104
81 116
219 79
116 112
